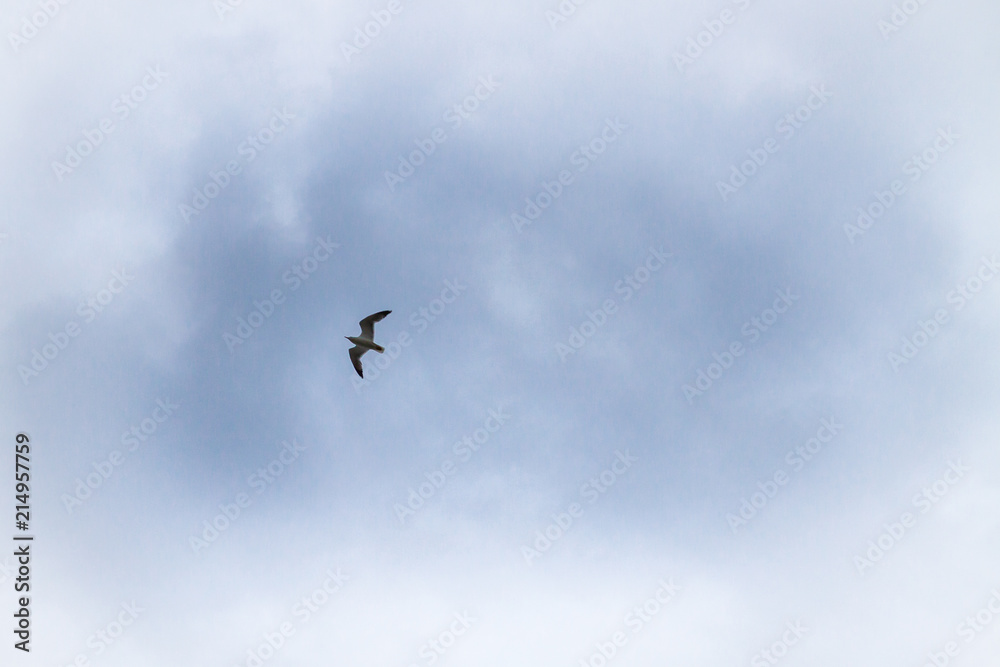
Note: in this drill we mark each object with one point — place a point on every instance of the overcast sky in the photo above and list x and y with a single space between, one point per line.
692 356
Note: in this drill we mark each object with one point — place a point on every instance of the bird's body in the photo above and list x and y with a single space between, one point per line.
367 344
366 341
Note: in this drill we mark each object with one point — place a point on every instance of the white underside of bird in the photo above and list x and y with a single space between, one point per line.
366 341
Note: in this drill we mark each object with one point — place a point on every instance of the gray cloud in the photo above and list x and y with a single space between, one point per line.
525 291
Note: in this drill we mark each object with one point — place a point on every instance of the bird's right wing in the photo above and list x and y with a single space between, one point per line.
356 353
368 324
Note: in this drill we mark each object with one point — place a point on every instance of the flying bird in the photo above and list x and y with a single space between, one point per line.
366 341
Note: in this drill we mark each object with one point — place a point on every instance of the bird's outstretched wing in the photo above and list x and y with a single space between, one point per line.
368 324
356 353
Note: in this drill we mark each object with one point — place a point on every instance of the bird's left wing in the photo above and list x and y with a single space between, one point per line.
368 324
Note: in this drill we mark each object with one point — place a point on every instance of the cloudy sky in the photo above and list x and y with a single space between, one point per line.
692 356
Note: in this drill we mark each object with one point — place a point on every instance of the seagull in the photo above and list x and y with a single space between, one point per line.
366 341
